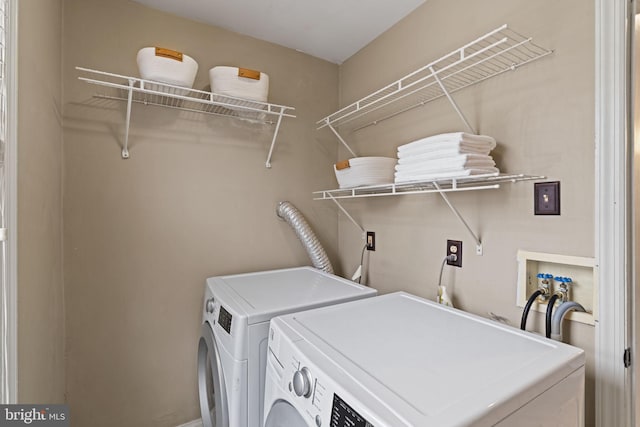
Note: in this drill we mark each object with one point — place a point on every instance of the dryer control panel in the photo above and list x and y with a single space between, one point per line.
317 398
343 415
318 389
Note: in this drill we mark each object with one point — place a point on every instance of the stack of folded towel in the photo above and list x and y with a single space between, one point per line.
448 155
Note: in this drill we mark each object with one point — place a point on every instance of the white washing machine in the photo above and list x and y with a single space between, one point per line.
399 360
233 344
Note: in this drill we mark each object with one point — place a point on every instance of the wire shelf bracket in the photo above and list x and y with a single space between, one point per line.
341 139
442 187
135 90
348 215
452 101
460 218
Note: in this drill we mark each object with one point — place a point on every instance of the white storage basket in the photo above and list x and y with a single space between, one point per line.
362 171
167 66
239 83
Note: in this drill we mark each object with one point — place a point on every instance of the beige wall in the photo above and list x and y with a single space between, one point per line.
636 178
543 118
194 200
41 377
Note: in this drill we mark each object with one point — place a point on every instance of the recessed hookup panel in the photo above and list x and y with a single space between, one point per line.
371 241
582 270
547 198
454 247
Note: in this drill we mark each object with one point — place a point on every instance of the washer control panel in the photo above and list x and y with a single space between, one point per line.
224 319
210 305
215 313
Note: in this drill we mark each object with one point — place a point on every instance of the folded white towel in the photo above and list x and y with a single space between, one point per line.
461 160
463 146
415 156
445 175
410 174
450 137
449 167
448 140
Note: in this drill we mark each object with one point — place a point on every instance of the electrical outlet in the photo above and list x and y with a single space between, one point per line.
454 247
371 241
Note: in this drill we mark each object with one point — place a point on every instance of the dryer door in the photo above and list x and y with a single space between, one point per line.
211 388
283 414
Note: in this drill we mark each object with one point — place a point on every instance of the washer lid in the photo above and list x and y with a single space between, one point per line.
263 295
434 363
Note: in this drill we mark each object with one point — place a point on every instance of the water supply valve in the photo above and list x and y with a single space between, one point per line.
563 287
544 285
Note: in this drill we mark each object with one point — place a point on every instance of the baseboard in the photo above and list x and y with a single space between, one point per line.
194 423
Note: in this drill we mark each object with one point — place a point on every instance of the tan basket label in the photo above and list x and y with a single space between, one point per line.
344 164
168 53
249 74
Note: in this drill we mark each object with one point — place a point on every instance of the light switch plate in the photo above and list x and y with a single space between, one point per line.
547 198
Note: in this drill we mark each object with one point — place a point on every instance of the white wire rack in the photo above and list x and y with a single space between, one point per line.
478 182
442 186
140 91
498 51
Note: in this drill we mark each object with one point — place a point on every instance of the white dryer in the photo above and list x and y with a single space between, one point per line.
399 360
233 344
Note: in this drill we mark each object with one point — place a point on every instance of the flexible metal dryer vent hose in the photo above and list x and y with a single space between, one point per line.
294 218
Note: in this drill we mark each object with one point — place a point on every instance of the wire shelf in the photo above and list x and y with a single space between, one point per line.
479 182
498 51
139 91
117 87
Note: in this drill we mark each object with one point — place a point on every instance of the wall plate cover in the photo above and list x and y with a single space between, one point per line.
455 247
547 198
371 241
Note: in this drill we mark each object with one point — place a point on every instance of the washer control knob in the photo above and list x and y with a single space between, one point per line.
302 383
209 305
